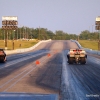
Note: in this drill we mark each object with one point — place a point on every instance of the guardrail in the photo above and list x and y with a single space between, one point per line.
25 49
87 49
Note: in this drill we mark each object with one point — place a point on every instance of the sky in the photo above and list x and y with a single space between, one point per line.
70 16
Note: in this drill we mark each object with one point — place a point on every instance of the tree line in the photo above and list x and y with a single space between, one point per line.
44 34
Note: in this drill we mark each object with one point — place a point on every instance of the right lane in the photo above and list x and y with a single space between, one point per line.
83 80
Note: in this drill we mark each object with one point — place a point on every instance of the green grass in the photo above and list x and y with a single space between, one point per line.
24 44
91 44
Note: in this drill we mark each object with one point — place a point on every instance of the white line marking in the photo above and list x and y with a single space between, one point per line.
19 79
14 77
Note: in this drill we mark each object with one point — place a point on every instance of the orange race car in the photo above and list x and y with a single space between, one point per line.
2 55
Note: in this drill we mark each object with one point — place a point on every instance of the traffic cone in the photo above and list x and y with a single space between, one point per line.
37 62
49 55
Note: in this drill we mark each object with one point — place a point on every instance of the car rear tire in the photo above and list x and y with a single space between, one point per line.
83 60
70 60
4 60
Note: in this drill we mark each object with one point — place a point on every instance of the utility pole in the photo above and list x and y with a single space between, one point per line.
31 33
17 33
99 41
39 32
92 28
78 38
89 28
13 39
5 39
23 32
20 33
97 23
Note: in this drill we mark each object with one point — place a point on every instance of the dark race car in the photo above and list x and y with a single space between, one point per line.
76 56
2 55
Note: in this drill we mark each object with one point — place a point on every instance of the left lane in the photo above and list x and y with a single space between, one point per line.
14 59
15 70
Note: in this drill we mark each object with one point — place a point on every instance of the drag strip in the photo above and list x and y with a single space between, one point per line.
52 74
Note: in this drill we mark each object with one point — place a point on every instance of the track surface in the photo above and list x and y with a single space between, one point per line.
53 75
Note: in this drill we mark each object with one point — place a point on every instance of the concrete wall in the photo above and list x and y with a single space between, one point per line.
25 49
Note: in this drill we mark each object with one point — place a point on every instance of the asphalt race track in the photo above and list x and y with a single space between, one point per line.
45 71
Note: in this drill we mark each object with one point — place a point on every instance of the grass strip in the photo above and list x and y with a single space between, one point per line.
91 44
18 44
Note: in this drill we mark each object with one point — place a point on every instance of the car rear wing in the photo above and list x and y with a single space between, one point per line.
72 51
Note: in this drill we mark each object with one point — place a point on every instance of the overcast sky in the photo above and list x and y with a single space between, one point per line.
71 16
